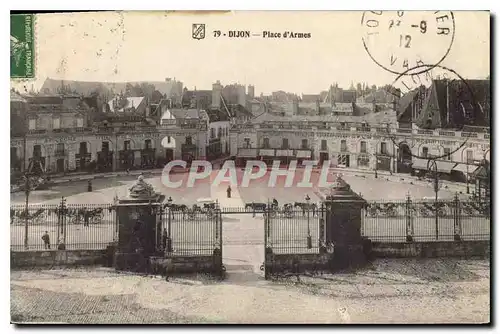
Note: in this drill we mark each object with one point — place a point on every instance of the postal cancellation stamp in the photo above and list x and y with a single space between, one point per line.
400 40
22 46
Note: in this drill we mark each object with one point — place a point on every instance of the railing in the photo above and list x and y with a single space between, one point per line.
469 134
85 226
406 221
74 226
447 133
37 131
363 129
82 129
425 132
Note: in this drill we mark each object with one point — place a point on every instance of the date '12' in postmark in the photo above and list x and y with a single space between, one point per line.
22 46
400 41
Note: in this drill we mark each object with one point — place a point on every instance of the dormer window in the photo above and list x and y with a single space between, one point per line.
32 124
79 122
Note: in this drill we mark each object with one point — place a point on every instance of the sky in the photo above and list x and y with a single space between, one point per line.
152 46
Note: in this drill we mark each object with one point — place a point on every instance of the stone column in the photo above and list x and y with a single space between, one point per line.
139 227
343 225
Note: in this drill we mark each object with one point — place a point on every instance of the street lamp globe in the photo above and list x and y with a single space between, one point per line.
308 198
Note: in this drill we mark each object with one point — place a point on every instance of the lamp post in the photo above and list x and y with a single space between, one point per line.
29 185
309 238
467 178
432 165
61 231
376 165
168 246
27 191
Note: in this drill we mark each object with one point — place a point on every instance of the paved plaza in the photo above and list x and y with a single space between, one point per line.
424 291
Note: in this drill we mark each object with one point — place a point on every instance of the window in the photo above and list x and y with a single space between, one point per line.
79 122
60 148
105 146
169 139
57 123
219 132
324 146
189 140
383 148
363 160
83 148
470 156
147 144
447 153
363 147
247 143
284 143
37 151
304 144
32 124
212 133
126 145
265 143
425 152
343 145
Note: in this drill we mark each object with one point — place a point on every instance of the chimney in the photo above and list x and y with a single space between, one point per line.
216 93
295 107
251 91
242 95
395 99
447 103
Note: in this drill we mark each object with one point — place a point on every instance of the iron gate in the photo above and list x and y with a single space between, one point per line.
288 235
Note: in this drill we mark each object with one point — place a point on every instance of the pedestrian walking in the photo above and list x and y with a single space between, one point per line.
228 191
46 240
89 186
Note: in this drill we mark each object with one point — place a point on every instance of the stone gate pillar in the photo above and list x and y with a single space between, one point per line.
343 225
139 227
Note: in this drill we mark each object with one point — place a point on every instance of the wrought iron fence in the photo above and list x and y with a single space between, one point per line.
444 220
191 231
294 230
198 231
62 226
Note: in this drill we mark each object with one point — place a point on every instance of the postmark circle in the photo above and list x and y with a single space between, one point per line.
402 41
416 89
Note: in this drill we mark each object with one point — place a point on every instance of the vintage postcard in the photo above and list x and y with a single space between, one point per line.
250 167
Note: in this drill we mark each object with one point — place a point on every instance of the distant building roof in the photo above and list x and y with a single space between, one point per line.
131 102
182 113
86 87
382 117
458 103
16 97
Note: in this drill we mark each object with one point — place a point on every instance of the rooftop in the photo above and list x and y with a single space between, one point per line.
388 116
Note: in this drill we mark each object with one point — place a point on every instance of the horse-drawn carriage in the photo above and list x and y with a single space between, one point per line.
206 206
83 215
19 216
